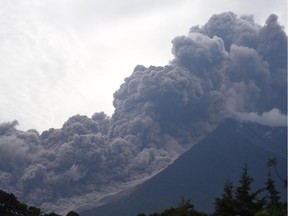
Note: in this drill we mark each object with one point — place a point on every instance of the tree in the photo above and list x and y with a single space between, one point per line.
51 214
225 206
273 196
33 211
10 206
247 203
273 205
72 213
185 208
241 201
272 162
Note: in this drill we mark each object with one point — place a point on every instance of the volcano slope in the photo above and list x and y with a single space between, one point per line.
200 173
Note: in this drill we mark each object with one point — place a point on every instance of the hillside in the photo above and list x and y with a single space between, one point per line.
201 172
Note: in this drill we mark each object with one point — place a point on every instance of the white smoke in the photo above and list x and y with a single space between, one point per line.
273 118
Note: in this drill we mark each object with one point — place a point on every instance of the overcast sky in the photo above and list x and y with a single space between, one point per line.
59 58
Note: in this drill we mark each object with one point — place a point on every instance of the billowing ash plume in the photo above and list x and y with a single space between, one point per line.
229 66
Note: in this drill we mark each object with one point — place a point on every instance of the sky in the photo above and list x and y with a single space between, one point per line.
59 58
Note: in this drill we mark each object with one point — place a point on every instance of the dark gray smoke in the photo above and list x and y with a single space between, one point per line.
229 66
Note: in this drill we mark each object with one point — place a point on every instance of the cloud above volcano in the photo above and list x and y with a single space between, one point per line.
272 118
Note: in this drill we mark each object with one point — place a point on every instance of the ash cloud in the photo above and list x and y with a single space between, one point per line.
229 66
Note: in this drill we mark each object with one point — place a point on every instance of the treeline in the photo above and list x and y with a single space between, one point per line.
10 206
241 200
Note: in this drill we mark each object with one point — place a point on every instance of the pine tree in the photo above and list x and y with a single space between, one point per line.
273 195
272 162
246 201
225 206
241 201
273 203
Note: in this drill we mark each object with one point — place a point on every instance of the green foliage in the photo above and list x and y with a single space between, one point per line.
273 205
246 201
262 213
225 206
273 196
10 206
51 214
279 211
242 201
34 211
185 208
272 162
72 213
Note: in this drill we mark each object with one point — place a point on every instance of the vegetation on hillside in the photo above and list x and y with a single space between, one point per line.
240 201
10 206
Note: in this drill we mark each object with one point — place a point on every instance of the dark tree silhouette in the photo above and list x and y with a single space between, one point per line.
225 206
247 203
272 162
185 208
273 204
10 206
72 213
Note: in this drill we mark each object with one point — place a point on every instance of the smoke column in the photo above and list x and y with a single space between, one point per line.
230 66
